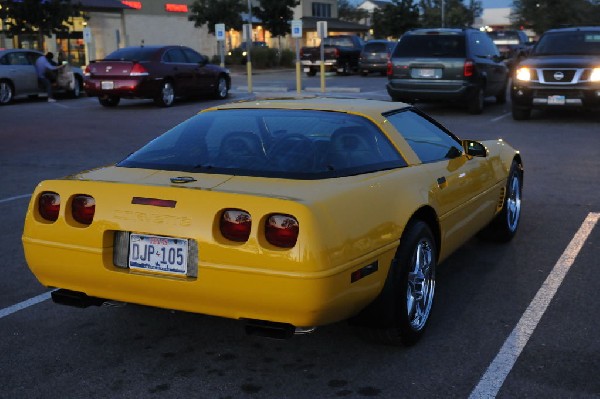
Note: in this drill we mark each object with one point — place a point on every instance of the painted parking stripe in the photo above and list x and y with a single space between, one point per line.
25 304
14 198
498 370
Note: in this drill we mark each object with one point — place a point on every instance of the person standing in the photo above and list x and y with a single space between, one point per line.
43 66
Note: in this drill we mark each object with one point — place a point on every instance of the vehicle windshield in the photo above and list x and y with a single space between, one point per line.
569 43
295 144
439 46
131 54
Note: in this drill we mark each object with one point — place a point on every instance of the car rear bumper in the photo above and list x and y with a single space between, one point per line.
429 89
129 88
541 96
372 66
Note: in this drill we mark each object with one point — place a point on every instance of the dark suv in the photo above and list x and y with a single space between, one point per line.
447 64
563 70
514 45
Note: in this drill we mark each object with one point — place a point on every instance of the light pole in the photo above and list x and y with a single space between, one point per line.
249 47
443 14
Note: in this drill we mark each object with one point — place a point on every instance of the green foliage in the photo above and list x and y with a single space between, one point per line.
456 13
395 18
211 12
43 18
262 58
287 59
543 15
351 13
276 15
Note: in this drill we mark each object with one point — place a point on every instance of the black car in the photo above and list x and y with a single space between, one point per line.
447 64
563 70
374 56
514 45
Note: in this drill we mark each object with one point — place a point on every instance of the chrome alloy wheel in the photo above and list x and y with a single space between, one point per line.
513 202
168 94
222 88
6 93
421 285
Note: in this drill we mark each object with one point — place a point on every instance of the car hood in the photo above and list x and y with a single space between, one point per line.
562 61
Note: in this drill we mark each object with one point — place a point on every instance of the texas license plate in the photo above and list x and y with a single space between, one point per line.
556 100
158 254
108 85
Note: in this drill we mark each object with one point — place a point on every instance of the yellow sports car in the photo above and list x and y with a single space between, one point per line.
286 214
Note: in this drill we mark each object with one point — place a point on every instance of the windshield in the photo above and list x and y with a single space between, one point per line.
296 144
439 46
569 43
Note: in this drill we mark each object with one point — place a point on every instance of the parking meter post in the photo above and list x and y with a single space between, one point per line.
222 46
322 33
298 73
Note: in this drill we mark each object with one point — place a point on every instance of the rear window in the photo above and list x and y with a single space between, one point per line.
295 144
500 37
131 54
569 43
438 46
375 48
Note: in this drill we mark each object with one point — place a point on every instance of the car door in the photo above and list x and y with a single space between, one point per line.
461 186
177 66
204 78
19 69
487 59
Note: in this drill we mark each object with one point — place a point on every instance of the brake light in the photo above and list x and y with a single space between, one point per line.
138 70
336 52
49 205
282 230
83 208
390 68
235 225
87 71
469 69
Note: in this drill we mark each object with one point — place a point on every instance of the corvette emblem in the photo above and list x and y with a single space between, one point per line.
559 75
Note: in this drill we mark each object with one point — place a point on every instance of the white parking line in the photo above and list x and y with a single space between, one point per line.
496 119
25 304
498 370
14 198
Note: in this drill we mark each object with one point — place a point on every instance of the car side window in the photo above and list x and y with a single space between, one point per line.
429 141
175 56
481 45
4 60
192 56
18 59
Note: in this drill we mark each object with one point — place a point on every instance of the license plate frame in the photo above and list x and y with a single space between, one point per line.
556 100
426 73
108 85
158 254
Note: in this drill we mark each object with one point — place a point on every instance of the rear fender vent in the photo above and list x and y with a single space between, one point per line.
501 200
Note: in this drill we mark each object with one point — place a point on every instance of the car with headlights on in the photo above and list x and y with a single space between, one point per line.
461 65
19 79
284 214
562 71
160 73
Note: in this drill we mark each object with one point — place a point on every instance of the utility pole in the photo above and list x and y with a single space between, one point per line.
443 19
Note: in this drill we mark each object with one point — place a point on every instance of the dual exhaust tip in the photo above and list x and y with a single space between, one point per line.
260 328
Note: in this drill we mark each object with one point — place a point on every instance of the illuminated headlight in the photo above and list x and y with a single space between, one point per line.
523 74
595 76
244 53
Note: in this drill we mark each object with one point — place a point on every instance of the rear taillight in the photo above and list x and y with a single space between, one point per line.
138 70
282 230
469 68
49 205
83 208
336 52
390 68
235 225
87 71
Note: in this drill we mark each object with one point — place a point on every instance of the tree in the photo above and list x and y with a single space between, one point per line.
37 17
395 18
211 12
543 15
350 13
276 15
456 14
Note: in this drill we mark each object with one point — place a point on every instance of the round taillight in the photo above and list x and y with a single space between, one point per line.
49 205
282 230
83 208
235 225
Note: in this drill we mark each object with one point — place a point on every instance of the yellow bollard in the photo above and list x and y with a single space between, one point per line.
322 77
249 72
298 79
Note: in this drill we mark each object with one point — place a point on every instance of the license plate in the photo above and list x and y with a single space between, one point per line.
426 73
108 85
158 254
556 100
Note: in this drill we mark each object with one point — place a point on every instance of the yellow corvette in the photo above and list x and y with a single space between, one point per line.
286 214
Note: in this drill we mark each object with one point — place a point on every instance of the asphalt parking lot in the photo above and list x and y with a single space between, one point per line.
515 320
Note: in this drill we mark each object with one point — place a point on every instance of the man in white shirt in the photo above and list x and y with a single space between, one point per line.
43 65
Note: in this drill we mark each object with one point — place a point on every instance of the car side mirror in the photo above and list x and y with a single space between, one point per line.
474 148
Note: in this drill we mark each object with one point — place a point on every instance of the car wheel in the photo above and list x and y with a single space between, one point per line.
109 101
501 96
409 290
221 90
402 99
166 97
364 73
521 114
6 92
475 102
311 72
505 224
76 92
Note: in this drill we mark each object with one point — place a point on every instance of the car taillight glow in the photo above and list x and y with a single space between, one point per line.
49 205
390 68
282 230
336 52
235 225
86 71
83 208
138 70
469 69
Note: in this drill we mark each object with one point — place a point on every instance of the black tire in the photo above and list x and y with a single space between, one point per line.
77 86
166 97
345 70
475 101
7 92
364 73
109 101
221 88
311 72
521 114
399 315
504 226
402 99
501 96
